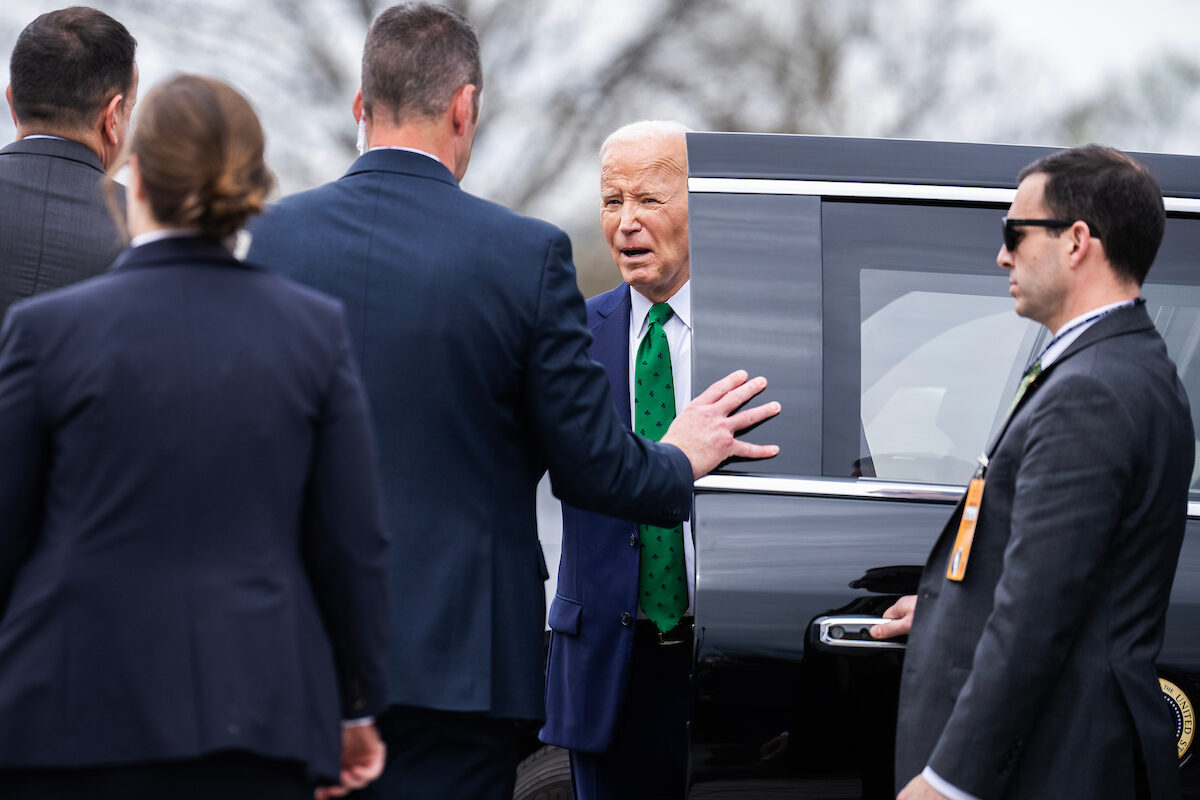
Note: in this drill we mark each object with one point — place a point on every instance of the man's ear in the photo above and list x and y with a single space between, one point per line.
109 119
462 108
1080 241
357 105
11 110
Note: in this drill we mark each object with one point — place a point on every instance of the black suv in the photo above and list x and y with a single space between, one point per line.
859 276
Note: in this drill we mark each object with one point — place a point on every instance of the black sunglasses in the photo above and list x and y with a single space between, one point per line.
1012 238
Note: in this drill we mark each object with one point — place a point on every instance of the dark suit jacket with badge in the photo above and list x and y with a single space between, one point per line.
1034 677
591 640
55 226
470 331
193 557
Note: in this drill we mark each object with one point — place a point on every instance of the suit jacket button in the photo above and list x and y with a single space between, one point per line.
633 540
672 510
626 620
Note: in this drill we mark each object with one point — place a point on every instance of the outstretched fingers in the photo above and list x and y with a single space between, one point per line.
745 419
747 450
722 387
752 416
739 395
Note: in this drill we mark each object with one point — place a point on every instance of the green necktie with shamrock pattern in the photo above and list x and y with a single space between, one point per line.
662 579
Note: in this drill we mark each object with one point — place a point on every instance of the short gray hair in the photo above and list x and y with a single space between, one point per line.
417 55
643 130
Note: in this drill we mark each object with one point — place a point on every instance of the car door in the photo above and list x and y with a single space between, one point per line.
860 277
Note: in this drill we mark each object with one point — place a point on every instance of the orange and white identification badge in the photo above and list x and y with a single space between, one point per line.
957 567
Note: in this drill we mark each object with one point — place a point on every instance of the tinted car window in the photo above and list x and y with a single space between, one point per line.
922 348
939 356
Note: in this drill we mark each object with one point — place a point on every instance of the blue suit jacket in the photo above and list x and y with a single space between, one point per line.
590 649
470 331
192 549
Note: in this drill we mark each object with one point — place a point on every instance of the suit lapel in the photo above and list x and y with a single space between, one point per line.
1126 320
610 347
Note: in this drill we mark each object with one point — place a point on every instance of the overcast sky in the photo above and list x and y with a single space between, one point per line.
1084 40
1076 46
1087 40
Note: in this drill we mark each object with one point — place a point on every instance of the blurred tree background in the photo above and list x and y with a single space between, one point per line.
562 74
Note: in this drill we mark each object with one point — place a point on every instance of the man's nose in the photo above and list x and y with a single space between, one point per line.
630 219
1004 258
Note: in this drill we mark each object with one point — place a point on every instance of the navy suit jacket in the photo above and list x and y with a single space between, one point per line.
55 226
470 331
1035 676
590 649
192 551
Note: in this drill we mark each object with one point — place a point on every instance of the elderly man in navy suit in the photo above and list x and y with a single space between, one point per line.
1030 665
618 693
470 332
73 86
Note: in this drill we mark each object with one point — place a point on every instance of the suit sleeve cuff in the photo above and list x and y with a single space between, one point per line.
683 468
940 785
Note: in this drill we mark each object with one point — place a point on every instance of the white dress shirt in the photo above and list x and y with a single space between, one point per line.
679 339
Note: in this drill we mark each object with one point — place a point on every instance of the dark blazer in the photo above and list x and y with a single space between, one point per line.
192 553
470 331
590 649
55 227
1034 677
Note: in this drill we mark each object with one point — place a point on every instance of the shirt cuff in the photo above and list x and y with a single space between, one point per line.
358 723
953 792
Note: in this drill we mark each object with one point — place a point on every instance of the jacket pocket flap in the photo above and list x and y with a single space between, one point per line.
564 615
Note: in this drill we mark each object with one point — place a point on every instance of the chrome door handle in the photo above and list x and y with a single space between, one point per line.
852 630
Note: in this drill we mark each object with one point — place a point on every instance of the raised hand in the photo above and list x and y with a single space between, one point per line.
706 428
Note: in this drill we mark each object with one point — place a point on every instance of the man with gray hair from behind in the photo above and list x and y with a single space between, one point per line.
470 331
621 622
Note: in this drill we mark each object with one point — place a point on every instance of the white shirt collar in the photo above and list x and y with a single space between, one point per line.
680 302
406 149
1074 328
45 136
162 233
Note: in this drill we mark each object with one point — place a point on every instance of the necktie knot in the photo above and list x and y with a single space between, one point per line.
660 313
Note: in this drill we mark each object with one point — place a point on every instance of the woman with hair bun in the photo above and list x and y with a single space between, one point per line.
192 559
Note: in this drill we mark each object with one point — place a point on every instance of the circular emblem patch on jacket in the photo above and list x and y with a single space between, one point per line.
1185 717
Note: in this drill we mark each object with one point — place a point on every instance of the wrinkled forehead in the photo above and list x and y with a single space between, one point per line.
661 159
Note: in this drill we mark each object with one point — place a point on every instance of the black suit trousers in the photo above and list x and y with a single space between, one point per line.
447 755
647 759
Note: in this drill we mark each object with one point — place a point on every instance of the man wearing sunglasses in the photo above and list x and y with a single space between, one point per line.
1030 665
